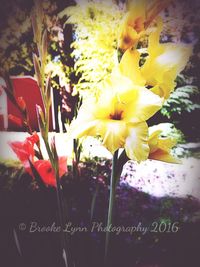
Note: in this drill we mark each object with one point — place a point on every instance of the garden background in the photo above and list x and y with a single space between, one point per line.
81 53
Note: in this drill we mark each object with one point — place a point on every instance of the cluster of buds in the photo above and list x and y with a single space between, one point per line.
19 103
41 38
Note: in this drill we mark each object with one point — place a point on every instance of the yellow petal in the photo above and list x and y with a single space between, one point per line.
174 55
166 144
79 128
154 50
118 82
160 147
129 67
85 123
128 38
163 89
153 140
164 156
154 47
164 63
136 144
113 133
140 103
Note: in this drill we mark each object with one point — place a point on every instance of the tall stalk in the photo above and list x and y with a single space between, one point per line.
111 204
40 60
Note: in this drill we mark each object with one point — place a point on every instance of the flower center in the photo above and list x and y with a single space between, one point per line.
149 86
127 40
49 170
117 116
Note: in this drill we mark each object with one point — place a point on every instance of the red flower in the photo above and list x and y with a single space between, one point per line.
34 138
25 150
46 171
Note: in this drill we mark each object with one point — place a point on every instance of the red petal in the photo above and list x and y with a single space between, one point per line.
25 150
62 164
34 138
46 172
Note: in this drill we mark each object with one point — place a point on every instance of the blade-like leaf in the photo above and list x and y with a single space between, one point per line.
37 177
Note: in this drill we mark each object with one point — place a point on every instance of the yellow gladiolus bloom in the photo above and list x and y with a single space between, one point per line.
163 64
140 15
118 117
133 25
160 148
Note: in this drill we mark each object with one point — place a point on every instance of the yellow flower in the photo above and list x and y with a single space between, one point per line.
133 25
163 64
129 67
160 148
140 15
118 117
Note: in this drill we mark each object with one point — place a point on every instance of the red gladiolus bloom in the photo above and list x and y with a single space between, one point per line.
46 171
25 150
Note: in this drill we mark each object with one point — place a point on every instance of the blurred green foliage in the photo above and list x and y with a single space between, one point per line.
184 99
95 27
16 44
83 50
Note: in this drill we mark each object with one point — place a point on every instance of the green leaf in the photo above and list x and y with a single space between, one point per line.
37 177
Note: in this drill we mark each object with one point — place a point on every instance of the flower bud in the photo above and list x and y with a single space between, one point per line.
16 120
37 18
37 70
48 89
40 117
53 148
36 30
21 103
39 12
44 46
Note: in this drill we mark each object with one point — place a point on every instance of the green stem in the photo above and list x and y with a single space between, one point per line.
76 158
54 163
49 151
111 203
94 198
61 218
